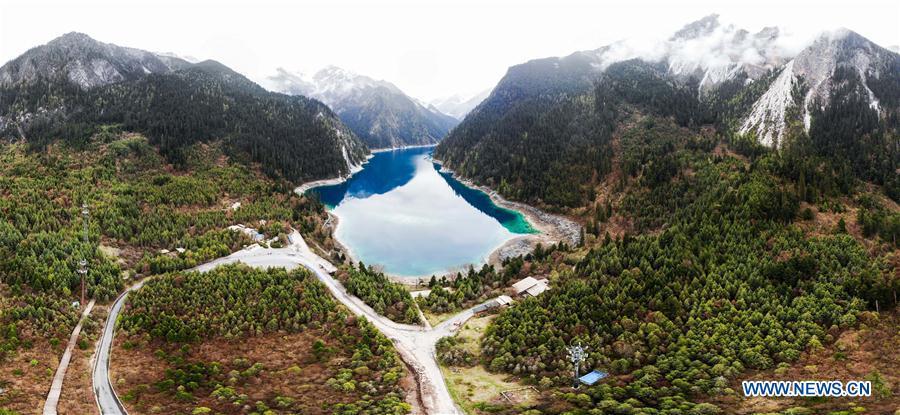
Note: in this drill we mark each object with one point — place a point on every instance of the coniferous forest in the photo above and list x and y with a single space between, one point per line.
717 243
177 312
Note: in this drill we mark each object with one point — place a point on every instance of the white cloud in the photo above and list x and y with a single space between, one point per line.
428 48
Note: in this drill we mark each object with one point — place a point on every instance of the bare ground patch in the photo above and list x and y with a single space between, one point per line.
26 377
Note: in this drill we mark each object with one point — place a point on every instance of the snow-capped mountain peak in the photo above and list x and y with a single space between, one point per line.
377 111
813 69
458 105
85 62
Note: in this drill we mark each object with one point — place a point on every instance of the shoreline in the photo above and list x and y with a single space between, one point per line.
557 227
551 228
304 187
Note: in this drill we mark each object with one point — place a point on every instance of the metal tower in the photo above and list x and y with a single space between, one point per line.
576 356
82 264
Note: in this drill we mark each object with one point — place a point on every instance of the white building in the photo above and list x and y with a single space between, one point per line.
531 286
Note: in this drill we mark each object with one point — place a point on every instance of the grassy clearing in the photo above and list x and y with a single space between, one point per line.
435 319
474 388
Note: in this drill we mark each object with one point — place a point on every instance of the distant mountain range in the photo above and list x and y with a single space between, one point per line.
458 106
748 84
69 87
377 111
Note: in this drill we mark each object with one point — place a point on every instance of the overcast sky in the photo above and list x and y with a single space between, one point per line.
428 48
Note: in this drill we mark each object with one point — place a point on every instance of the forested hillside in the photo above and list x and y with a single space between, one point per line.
547 132
293 138
139 205
172 321
386 297
722 273
378 112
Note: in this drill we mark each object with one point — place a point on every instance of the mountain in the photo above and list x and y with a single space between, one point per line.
551 119
85 62
808 80
457 106
70 87
377 111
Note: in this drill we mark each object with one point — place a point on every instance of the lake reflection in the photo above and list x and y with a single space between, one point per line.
402 213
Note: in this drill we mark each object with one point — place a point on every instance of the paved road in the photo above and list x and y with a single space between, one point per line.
415 344
106 397
56 387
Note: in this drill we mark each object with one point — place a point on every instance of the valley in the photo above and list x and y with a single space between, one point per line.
723 206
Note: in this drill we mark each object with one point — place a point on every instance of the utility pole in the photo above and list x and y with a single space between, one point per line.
82 269
576 356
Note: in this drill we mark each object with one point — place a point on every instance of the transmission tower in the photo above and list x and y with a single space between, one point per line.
82 265
576 356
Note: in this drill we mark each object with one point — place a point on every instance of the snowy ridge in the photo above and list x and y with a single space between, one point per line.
332 85
377 111
458 106
84 62
710 52
767 118
815 66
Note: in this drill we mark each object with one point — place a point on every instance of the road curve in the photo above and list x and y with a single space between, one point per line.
104 394
415 344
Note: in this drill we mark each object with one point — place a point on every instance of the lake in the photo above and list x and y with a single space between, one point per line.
402 213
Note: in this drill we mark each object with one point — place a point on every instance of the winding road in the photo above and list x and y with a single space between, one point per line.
415 344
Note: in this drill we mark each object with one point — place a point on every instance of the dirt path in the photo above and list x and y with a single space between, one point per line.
415 344
57 385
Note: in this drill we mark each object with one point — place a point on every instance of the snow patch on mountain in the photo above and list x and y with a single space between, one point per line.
710 52
457 106
332 85
815 66
767 118
84 62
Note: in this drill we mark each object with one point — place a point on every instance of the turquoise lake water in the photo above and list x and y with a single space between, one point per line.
403 213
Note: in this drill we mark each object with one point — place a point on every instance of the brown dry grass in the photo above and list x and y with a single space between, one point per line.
855 355
26 385
77 396
280 354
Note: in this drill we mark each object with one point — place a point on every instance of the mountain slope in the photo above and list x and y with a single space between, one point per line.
294 138
740 83
457 106
377 111
78 59
807 81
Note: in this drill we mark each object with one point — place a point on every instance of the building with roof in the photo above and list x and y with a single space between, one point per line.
531 286
593 377
501 301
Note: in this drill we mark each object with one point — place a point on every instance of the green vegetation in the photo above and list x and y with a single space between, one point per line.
291 137
473 287
387 298
181 311
875 219
529 141
138 204
468 289
229 301
449 354
724 284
